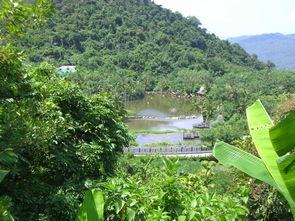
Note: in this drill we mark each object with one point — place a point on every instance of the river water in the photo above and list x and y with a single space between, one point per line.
160 113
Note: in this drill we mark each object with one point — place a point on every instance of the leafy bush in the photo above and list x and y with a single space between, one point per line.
61 137
228 131
162 191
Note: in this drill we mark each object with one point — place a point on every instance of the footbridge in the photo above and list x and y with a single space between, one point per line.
175 150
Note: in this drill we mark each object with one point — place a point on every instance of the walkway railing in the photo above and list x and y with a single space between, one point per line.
168 150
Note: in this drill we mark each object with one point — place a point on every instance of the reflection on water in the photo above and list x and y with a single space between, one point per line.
175 124
163 124
174 138
161 107
139 124
152 112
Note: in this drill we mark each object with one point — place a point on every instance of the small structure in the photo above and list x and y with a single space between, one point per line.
191 135
66 69
201 91
202 125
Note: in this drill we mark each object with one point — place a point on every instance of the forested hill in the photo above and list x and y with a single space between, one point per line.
275 47
133 38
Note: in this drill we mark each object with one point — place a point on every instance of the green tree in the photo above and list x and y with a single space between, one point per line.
62 137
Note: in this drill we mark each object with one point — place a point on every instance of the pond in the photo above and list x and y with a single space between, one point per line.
161 106
174 138
160 113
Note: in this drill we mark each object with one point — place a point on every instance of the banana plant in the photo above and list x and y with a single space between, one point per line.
92 207
276 165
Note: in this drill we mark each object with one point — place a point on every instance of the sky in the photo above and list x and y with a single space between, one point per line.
232 18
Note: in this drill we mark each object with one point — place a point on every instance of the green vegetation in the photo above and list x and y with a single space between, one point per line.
158 144
143 49
274 167
131 46
153 188
61 137
130 112
151 131
7 157
189 130
232 93
68 138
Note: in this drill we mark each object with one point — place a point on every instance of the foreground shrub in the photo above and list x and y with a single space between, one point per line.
273 144
61 137
165 192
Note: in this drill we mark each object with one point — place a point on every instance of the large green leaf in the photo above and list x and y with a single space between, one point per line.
259 124
92 207
246 162
3 173
130 214
8 156
282 135
287 168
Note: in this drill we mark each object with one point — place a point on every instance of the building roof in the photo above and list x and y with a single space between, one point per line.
66 68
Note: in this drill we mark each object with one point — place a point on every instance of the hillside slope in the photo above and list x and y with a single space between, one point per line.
136 39
278 48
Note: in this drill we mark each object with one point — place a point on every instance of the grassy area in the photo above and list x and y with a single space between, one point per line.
191 143
130 112
188 130
151 131
158 144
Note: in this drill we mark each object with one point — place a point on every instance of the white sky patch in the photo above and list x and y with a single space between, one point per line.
230 18
292 15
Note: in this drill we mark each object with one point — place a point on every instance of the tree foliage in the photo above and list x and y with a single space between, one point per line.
62 138
135 40
167 189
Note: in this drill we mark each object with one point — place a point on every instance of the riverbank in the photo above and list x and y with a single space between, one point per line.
151 131
165 131
172 93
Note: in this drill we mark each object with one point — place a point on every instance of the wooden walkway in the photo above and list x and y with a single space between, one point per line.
179 150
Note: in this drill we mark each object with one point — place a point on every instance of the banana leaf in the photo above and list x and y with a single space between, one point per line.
282 135
259 124
231 156
92 207
287 168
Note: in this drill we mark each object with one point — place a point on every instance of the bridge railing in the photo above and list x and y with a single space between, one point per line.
167 150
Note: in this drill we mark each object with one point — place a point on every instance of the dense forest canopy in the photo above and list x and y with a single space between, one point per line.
130 42
57 137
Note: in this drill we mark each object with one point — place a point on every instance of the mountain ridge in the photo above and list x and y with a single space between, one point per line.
275 47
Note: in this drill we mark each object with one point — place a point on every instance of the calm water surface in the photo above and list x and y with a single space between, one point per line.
161 106
174 138
166 109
